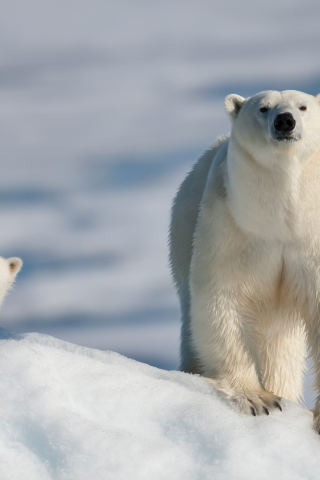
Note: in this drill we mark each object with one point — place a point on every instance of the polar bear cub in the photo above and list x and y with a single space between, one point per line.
9 267
245 253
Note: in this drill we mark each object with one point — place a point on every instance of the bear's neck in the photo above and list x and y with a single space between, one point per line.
263 201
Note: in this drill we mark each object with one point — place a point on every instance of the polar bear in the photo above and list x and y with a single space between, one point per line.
9 267
245 253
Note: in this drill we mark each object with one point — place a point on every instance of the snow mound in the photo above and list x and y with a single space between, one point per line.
69 412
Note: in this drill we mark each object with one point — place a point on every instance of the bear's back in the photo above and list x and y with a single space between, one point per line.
185 210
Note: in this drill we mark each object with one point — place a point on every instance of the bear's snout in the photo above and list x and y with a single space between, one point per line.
284 122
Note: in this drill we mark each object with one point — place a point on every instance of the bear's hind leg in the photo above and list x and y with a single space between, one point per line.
188 360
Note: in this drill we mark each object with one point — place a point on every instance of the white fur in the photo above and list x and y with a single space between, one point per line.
9 267
245 254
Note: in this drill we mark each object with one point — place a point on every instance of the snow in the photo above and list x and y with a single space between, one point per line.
72 413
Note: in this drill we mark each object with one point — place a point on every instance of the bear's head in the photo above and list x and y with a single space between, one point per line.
273 127
9 267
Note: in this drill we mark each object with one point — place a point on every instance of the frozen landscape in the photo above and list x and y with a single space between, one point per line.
72 413
105 105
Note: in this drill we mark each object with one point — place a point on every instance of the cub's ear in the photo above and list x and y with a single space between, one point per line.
233 104
318 97
15 265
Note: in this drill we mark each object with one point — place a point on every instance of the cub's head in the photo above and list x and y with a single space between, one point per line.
275 126
9 267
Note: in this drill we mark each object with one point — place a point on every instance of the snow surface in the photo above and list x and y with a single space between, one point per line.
72 413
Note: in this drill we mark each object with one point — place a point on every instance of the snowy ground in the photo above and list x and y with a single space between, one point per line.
104 107
72 413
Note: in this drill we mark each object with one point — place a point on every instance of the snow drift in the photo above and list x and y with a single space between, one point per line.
69 412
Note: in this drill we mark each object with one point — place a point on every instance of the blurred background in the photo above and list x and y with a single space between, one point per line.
104 107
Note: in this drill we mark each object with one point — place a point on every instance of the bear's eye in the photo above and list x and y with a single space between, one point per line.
303 108
264 109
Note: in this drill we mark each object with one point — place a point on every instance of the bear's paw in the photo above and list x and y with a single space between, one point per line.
255 403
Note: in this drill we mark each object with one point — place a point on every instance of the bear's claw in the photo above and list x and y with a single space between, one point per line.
255 403
276 404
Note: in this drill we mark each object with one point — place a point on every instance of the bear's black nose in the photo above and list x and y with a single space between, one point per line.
284 122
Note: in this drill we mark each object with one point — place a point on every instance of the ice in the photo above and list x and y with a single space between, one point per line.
72 413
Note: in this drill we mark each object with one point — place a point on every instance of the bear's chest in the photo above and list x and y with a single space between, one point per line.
284 277
266 212
274 204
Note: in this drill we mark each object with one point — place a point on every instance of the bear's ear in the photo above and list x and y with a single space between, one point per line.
233 104
318 97
15 265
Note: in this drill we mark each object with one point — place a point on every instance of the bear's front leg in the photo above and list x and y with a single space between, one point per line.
313 331
228 353
229 275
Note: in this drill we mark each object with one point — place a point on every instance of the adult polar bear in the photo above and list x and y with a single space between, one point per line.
245 253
